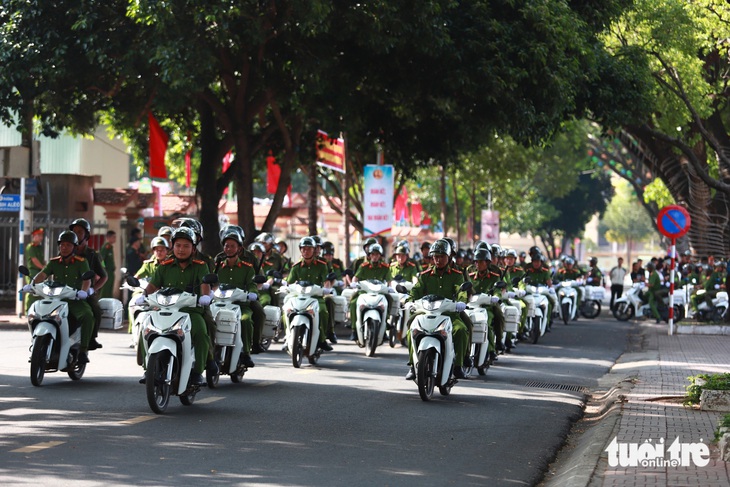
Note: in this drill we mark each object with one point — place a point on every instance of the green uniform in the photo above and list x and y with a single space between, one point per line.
241 275
144 272
32 250
540 276
594 277
315 272
716 278
96 265
408 271
357 263
510 274
68 272
445 283
656 292
107 259
483 283
367 271
170 274
276 261
257 310
571 275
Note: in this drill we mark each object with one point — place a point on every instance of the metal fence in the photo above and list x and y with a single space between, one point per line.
10 252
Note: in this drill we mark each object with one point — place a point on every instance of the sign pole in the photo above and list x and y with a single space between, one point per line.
21 250
672 252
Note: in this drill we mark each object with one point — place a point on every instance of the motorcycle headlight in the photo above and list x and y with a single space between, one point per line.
51 291
432 305
223 294
561 294
441 330
310 310
167 300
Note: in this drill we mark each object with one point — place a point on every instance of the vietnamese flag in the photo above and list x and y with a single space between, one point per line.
273 173
158 147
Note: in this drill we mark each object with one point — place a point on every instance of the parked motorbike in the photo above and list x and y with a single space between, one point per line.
168 344
302 311
568 296
716 312
631 304
372 314
433 348
55 345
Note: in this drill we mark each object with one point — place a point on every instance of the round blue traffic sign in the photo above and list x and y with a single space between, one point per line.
673 221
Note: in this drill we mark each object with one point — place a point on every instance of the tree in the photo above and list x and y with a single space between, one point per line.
625 220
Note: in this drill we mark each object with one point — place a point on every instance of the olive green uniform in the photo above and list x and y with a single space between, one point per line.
541 275
483 282
68 272
571 275
315 272
31 250
445 283
656 292
170 274
144 272
96 265
408 271
107 258
241 275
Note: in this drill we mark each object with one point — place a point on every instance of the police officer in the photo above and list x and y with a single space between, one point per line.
443 280
181 271
594 276
337 268
270 251
82 229
358 262
67 269
313 270
538 273
569 272
656 290
160 252
166 233
373 268
107 258
282 247
484 280
34 261
239 273
403 266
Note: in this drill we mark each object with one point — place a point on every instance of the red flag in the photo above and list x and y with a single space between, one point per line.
401 206
226 164
272 174
158 147
416 209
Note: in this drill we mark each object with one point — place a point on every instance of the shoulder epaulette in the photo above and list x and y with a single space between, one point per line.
424 272
297 263
167 262
473 275
410 264
79 258
246 263
198 261
384 264
58 257
318 261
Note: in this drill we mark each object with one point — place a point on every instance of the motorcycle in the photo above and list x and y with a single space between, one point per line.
167 340
590 306
55 346
568 296
398 327
228 340
477 311
301 308
273 330
372 314
539 323
716 312
632 304
136 313
433 348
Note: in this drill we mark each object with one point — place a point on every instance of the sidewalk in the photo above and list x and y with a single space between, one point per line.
641 401
9 320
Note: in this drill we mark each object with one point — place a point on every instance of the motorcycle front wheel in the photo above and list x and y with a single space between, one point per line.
297 352
38 359
188 398
371 342
566 312
77 371
535 332
623 311
425 373
392 337
212 379
158 390
590 309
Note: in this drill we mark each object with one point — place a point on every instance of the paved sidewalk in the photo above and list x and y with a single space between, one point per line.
643 402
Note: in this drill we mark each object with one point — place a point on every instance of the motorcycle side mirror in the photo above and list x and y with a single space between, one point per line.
500 285
259 279
24 270
516 280
210 278
132 281
466 286
331 276
401 289
88 275
398 278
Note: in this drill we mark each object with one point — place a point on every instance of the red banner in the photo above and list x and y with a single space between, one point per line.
273 173
158 147
330 152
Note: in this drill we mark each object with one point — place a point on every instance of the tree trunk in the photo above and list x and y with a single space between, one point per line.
457 212
312 199
443 200
473 216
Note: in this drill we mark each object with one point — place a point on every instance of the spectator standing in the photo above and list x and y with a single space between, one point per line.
133 258
107 259
617 275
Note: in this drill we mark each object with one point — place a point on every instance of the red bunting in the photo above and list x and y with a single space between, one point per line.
158 147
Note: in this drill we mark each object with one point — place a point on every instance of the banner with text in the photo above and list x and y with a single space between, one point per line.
330 151
378 200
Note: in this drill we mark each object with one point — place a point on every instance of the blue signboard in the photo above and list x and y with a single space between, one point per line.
10 202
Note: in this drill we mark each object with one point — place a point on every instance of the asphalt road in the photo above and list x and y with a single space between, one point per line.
351 420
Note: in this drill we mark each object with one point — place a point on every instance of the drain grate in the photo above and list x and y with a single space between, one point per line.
559 387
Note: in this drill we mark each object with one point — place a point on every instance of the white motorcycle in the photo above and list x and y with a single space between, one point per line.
301 308
433 348
167 340
539 323
372 314
273 326
568 296
228 340
136 313
716 312
479 315
398 328
631 304
55 347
